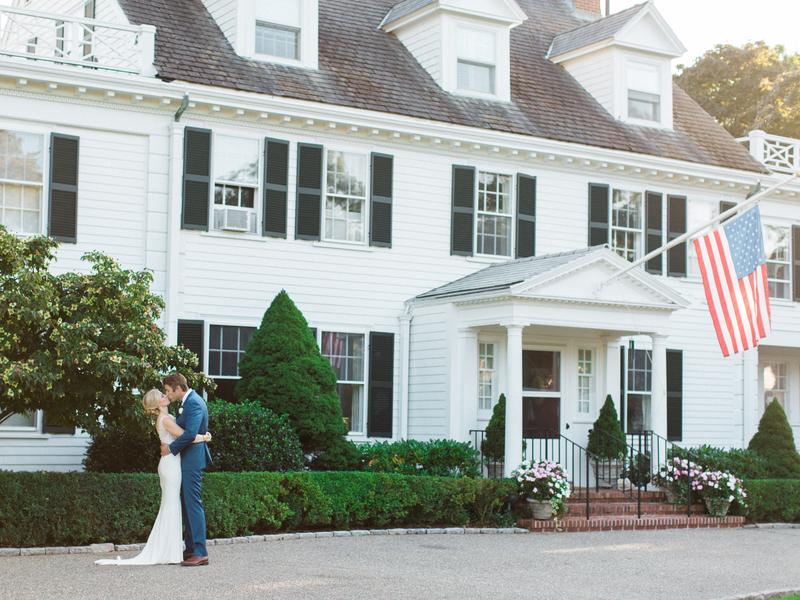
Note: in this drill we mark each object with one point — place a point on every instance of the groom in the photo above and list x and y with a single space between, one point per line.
193 418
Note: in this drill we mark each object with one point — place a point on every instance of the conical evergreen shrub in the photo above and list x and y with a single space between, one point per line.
774 441
284 371
494 444
606 439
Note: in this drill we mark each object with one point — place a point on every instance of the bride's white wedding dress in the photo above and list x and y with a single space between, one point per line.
165 544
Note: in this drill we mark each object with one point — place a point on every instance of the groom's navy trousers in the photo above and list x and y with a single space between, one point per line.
193 418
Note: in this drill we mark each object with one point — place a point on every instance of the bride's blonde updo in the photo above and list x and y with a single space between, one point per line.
151 401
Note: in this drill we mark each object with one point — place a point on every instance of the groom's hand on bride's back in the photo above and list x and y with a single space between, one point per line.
164 450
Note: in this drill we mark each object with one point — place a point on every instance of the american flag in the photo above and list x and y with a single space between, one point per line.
734 270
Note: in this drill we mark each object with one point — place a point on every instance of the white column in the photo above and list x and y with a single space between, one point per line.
173 233
612 387
513 453
468 342
658 398
750 395
405 364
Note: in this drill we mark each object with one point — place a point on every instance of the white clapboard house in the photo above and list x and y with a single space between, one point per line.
442 186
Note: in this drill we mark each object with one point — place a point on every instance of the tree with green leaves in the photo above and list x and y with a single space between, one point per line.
774 441
754 86
79 345
494 445
284 371
606 439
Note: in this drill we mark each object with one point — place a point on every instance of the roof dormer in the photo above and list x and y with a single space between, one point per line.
463 44
625 62
284 32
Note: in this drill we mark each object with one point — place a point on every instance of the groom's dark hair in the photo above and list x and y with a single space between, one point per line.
176 380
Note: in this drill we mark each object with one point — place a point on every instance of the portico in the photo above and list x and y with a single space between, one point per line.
547 332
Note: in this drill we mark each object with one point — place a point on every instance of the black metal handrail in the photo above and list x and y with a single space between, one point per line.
633 461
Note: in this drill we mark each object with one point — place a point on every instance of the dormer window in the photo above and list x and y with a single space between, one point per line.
644 92
477 57
278 27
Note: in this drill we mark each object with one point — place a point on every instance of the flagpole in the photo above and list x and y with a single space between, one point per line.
690 234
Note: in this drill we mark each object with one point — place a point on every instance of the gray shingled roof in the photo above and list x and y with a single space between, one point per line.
503 275
594 32
406 7
362 66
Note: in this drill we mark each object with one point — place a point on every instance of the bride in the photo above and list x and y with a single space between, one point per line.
165 544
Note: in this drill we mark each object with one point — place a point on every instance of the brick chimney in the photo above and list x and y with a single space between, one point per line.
591 7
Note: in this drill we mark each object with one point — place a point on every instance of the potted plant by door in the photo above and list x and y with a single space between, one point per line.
544 486
493 446
607 446
719 489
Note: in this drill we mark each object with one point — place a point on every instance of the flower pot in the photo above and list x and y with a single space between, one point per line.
717 507
541 510
609 472
494 470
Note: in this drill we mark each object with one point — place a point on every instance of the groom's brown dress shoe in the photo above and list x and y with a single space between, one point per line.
195 561
187 555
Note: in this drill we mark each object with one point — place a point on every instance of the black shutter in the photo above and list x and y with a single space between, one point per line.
63 213
55 428
309 191
463 211
526 216
623 385
674 395
676 225
655 230
796 262
598 214
380 230
190 336
276 187
196 178
726 205
381 384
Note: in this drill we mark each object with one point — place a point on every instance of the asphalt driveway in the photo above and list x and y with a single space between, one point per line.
670 565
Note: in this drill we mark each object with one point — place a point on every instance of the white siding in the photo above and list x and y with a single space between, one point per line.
595 72
224 13
42 452
428 389
424 41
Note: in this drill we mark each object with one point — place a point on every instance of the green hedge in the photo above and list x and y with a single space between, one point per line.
65 509
773 500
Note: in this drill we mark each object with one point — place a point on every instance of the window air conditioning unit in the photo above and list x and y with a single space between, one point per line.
236 219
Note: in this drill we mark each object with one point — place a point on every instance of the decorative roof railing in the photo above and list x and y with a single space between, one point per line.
89 43
777 153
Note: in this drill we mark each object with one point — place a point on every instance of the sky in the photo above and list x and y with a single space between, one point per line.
701 24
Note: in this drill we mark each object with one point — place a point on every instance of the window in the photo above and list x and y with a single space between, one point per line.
640 382
626 224
776 246
775 383
494 214
345 200
17 422
278 29
477 52
236 163
21 156
644 92
541 386
585 381
485 376
345 351
226 345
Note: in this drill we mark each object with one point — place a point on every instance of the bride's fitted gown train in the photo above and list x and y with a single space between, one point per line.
165 544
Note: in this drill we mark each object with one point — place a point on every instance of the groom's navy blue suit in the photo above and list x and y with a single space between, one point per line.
193 419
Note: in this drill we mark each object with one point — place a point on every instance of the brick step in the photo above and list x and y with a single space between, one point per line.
630 508
578 496
628 523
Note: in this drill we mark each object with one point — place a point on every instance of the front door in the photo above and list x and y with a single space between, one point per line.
541 393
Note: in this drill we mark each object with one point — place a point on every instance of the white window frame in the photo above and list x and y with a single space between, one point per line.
502 64
786 263
642 221
367 204
647 407
45 189
483 353
308 43
510 215
343 329
257 190
298 31
785 391
35 428
665 99
592 379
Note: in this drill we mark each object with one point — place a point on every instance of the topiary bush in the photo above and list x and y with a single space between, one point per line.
284 371
444 458
249 437
606 439
493 446
130 447
774 441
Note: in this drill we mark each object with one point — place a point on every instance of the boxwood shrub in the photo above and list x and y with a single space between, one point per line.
66 509
773 500
445 458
